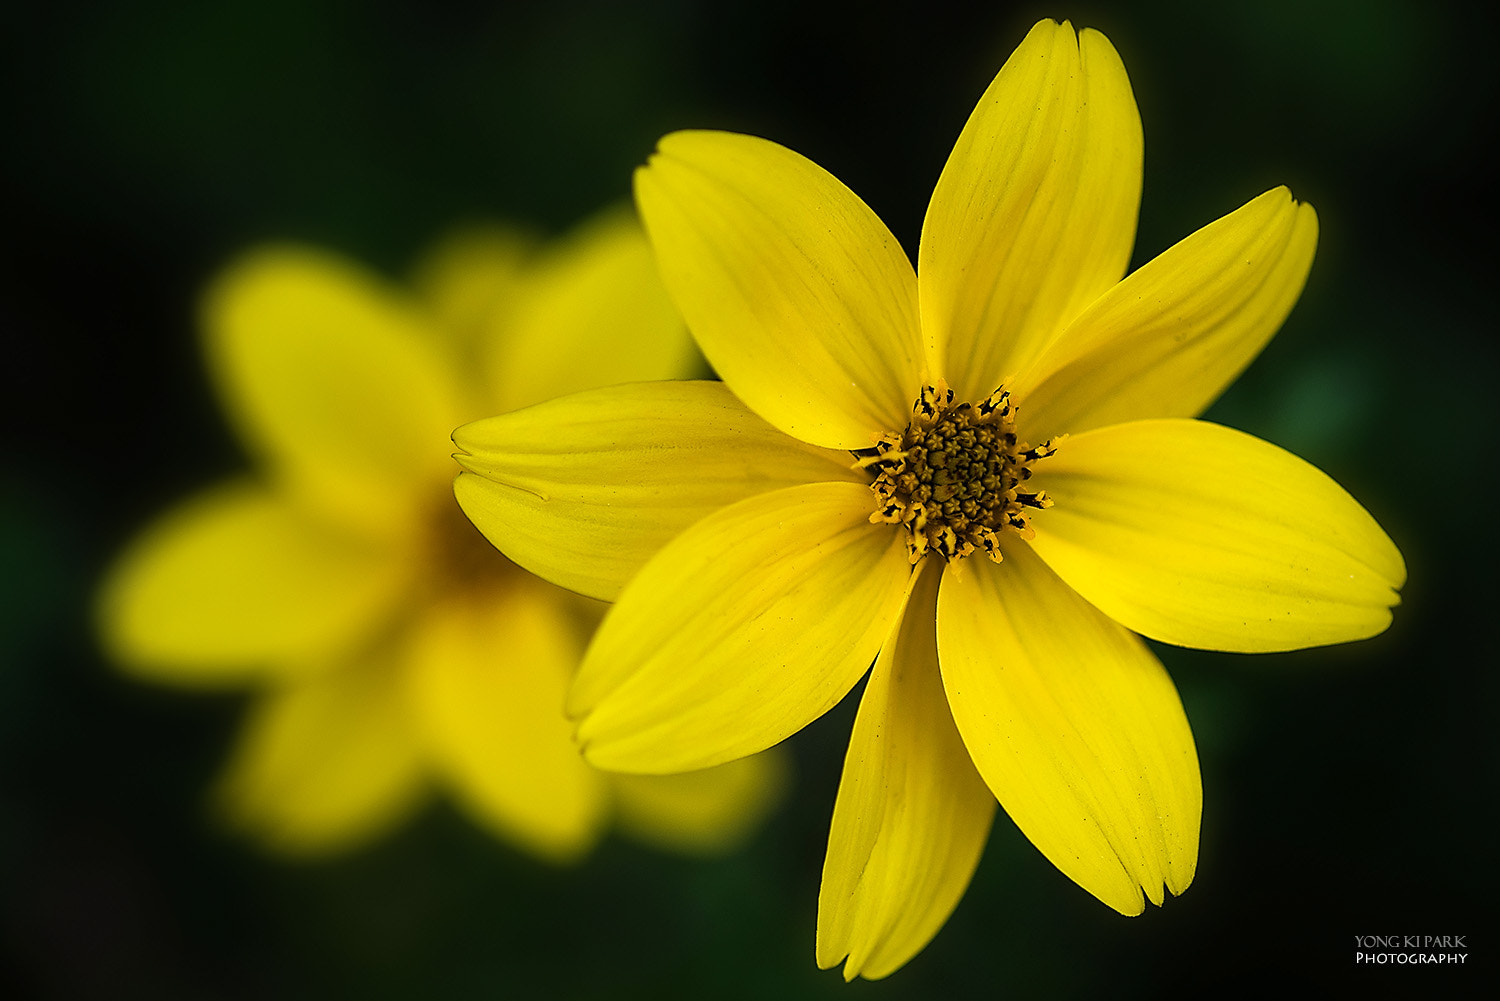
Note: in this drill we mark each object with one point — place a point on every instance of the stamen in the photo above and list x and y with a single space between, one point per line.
952 477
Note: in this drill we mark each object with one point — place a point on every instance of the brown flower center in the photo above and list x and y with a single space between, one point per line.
459 556
953 477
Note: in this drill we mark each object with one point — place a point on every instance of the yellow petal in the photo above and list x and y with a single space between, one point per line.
583 490
335 378
488 675
709 811
593 312
1034 215
237 582
743 630
1167 340
912 814
1203 536
802 300
1075 726
325 763
470 278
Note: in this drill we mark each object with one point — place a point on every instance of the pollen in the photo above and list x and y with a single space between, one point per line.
954 476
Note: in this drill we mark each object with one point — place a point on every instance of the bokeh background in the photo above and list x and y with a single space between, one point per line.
1349 791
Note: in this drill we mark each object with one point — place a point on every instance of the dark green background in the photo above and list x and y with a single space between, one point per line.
1348 791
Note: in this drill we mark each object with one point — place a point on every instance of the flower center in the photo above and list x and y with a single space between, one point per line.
953 477
458 556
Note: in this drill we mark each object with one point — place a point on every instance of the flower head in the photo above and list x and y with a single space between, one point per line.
389 648
982 474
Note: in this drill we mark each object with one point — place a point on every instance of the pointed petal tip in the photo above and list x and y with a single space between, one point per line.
1157 893
629 757
1287 201
638 176
679 144
827 960
852 969
589 750
1285 192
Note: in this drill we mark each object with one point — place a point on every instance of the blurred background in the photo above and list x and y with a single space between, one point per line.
1348 791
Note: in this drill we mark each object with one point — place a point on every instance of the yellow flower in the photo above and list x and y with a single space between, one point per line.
388 645
1029 496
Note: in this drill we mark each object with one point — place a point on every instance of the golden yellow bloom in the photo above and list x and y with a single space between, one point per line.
1029 495
388 645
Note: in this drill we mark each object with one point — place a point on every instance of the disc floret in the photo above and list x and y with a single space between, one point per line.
953 476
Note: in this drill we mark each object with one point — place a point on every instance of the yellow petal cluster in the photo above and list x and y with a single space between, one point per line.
756 580
387 648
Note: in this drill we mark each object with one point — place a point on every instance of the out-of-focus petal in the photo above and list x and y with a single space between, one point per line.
708 811
1167 340
336 379
912 814
1206 537
237 583
1075 726
1034 215
325 763
740 632
802 300
583 490
593 312
488 673
470 280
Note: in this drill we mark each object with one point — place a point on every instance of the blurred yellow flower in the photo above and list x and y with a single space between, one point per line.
388 645
1015 397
